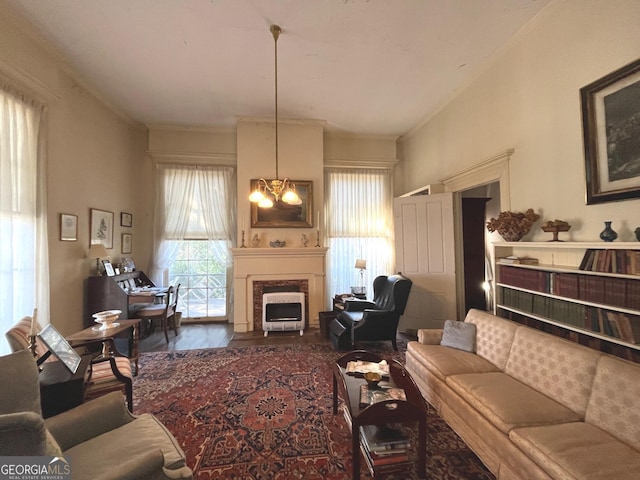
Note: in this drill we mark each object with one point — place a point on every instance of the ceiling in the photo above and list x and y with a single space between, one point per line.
363 66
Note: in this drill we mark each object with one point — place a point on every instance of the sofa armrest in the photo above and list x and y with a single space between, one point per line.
22 433
89 420
430 336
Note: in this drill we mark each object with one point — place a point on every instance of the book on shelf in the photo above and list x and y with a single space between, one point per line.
513 260
369 396
384 439
611 261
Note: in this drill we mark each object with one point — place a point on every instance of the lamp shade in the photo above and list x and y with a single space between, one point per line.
361 264
97 250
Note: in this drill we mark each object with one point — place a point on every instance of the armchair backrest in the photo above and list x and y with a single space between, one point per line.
390 293
18 336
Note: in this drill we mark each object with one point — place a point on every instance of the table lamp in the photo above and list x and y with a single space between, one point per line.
361 264
97 251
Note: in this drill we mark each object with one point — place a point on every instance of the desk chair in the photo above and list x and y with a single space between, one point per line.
108 373
165 312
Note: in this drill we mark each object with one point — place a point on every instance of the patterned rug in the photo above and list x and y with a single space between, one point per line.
265 412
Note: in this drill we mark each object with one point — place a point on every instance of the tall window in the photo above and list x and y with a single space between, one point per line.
24 269
359 226
194 233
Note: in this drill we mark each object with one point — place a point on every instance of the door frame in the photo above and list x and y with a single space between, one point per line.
494 169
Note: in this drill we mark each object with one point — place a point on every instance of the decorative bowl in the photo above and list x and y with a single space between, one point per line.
106 319
278 243
372 378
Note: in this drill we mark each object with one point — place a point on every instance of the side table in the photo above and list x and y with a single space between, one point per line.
91 334
391 411
59 389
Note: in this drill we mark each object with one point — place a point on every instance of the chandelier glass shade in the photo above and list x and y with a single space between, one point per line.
284 190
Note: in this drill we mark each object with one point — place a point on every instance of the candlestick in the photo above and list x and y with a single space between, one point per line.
318 238
243 246
32 345
32 332
318 219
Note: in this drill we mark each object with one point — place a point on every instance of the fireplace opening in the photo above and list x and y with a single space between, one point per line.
283 311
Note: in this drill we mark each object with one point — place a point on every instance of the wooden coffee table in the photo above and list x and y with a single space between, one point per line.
92 334
391 411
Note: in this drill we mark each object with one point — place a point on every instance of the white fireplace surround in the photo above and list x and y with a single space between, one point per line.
273 264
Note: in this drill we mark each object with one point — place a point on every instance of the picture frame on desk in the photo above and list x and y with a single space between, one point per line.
108 268
101 227
611 132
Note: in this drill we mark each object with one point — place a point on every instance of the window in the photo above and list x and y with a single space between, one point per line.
359 226
202 279
195 225
24 278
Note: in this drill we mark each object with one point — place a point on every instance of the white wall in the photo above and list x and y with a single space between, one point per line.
93 157
528 99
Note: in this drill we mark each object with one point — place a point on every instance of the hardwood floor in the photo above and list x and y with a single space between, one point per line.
193 336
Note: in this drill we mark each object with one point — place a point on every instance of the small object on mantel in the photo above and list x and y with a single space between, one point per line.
513 260
554 227
278 243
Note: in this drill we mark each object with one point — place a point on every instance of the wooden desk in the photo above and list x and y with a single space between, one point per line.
90 334
59 389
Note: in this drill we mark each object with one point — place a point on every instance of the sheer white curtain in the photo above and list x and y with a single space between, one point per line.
24 269
359 213
193 202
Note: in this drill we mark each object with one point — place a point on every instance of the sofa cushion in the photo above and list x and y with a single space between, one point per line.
578 450
459 335
494 336
614 405
445 361
144 434
508 403
563 370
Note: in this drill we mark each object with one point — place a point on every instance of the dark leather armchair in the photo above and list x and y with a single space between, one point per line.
378 320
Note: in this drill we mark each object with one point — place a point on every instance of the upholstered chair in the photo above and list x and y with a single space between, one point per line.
378 320
101 438
108 373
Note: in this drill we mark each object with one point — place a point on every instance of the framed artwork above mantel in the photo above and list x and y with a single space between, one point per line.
611 135
283 215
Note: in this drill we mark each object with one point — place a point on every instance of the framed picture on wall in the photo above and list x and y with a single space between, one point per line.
611 135
101 228
126 219
68 227
127 242
283 215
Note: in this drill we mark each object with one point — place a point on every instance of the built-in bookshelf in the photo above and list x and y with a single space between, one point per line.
592 289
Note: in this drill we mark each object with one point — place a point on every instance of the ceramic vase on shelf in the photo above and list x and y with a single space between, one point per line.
608 235
637 232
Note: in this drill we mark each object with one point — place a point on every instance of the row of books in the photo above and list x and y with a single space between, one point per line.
614 291
619 325
611 261
384 444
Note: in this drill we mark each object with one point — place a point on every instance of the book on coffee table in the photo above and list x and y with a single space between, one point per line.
369 396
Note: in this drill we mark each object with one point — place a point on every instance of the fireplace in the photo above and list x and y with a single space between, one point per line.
283 311
258 271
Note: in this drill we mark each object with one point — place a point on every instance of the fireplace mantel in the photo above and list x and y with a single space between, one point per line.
267 264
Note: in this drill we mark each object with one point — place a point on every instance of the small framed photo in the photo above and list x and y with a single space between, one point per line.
127 243
108 268
68 227
126 219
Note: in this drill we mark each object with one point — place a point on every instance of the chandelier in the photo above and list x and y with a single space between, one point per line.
277 188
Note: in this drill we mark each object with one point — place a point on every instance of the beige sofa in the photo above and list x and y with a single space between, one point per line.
532 405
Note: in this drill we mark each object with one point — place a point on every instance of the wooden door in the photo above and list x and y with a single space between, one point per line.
425 252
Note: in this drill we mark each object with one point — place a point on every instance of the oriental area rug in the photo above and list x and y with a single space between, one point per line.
265 413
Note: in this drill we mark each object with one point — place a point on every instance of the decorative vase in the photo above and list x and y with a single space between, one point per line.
637 232
608 235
